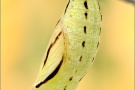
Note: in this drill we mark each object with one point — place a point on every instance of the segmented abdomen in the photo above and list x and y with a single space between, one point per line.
82 22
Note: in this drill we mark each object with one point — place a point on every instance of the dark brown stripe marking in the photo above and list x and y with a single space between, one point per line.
83 43
51 75
57 22
67 6
86 5
48 51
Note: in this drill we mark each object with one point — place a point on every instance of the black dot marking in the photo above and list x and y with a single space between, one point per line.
86 14
80 79
85 4
65 87
93 59
83 43
100 9
84 29
80 59
97 44
70 78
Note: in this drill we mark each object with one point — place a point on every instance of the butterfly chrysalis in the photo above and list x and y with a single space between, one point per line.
72 48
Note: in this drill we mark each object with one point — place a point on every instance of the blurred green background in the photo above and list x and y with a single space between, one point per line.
26 29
